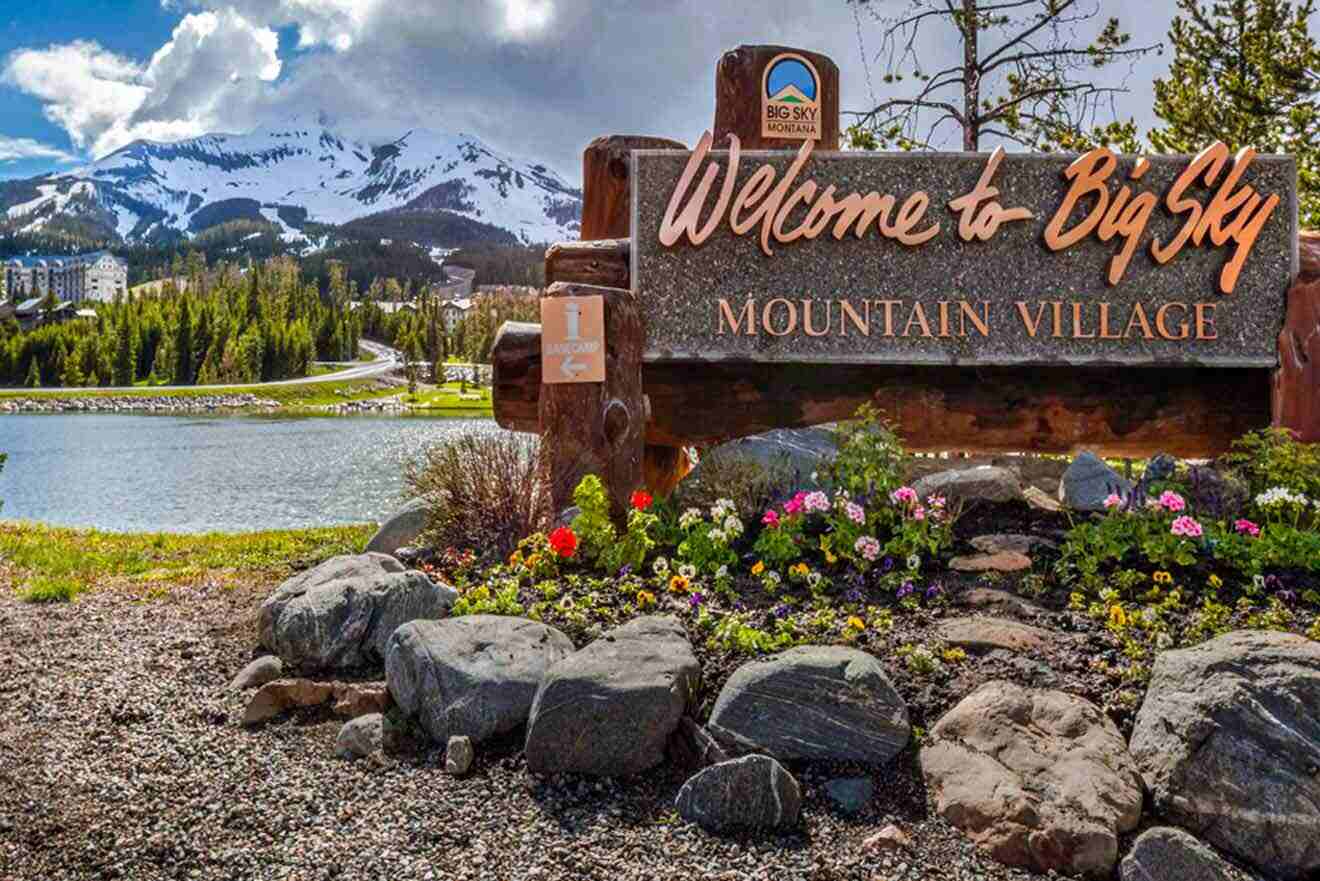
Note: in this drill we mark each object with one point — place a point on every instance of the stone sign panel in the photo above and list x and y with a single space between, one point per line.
976 259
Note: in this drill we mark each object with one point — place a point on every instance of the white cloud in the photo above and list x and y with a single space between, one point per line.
215 69
334 23
523 18
12 149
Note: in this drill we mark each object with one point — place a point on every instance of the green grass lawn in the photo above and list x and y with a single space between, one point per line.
309 395
449 397
52 564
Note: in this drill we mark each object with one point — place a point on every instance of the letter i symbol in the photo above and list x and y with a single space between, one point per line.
573 317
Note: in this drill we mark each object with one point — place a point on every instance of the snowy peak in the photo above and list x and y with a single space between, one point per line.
298 173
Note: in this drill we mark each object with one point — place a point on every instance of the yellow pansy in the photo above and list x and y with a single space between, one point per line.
758 568
855 623
678 584
1117 617
645 598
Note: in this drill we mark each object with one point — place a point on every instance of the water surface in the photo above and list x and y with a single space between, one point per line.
131 472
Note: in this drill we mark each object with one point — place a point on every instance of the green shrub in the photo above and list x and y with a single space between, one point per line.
1273 457
752 485
479 489
871 456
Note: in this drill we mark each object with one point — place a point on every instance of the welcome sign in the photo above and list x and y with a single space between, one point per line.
962 258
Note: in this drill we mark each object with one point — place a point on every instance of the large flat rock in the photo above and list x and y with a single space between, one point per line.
813 702
474 676
340 614
609 708
1228 741
1038 779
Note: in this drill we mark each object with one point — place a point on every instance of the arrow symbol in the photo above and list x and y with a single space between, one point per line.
571 368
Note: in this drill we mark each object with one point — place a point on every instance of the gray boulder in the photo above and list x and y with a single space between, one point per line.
805 451
1167 854
829 703
360 737
1038 779
1228 741
1089 481
473 676
340 615
754 792
609 708
984 483
400 529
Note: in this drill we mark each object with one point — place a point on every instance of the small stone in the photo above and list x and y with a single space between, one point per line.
400 529
459 755
985 634
850 794
1089 481
1004 561
360 737
984 483
1014 542
754 792
1040 500
1169 854
276 697
889 838
359 699
257 673
990 598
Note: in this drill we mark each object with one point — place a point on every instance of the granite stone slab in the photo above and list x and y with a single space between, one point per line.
680 287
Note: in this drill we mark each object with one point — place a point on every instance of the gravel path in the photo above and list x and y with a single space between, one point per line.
121 757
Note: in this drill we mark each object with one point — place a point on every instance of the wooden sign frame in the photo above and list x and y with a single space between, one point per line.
631 428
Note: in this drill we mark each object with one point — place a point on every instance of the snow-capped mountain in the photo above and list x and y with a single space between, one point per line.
295 174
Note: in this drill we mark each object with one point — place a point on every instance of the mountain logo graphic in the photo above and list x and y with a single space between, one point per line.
790 105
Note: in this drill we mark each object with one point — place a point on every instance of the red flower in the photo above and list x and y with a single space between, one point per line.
641 500
564 541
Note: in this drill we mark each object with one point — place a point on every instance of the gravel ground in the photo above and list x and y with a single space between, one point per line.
121 756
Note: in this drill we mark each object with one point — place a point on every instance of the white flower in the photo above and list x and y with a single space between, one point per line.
772 576
1281 495
914 561
722 572
732 525
813 579
660 566
689 518
687 570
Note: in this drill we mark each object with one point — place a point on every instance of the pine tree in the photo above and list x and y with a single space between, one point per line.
183 355
1245 72
125 366
33 374
72 376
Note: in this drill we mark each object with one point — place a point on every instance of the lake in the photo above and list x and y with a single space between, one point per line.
135 472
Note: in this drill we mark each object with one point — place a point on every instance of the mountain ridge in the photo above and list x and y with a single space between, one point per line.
294 176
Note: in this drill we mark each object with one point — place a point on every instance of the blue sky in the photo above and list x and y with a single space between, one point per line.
537 79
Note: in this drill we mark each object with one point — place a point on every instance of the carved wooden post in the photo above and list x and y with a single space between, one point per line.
607 214
597 427
738 82
1296 399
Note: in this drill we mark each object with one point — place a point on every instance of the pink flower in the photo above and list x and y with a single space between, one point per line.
919 513
1171 501
794 505
936 502
1246 527
854 512
816 501
770 518
904 495
1113 500
868 547
1186 526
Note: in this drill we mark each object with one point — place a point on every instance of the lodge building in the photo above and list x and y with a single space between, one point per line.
97 276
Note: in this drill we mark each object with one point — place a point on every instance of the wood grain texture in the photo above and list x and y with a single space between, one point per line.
604 263
606 192
738 79
1118 412
595 427
1308 247
1296 398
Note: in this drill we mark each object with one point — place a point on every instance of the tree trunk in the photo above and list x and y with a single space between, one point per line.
971 79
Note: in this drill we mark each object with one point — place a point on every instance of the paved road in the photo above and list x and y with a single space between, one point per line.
386 360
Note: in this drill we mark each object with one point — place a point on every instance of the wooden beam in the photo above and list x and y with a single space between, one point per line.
1296 398
595 427
604 263
1133 411
606 193
738 80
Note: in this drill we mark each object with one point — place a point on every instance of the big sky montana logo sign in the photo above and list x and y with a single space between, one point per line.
790 98
963 258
